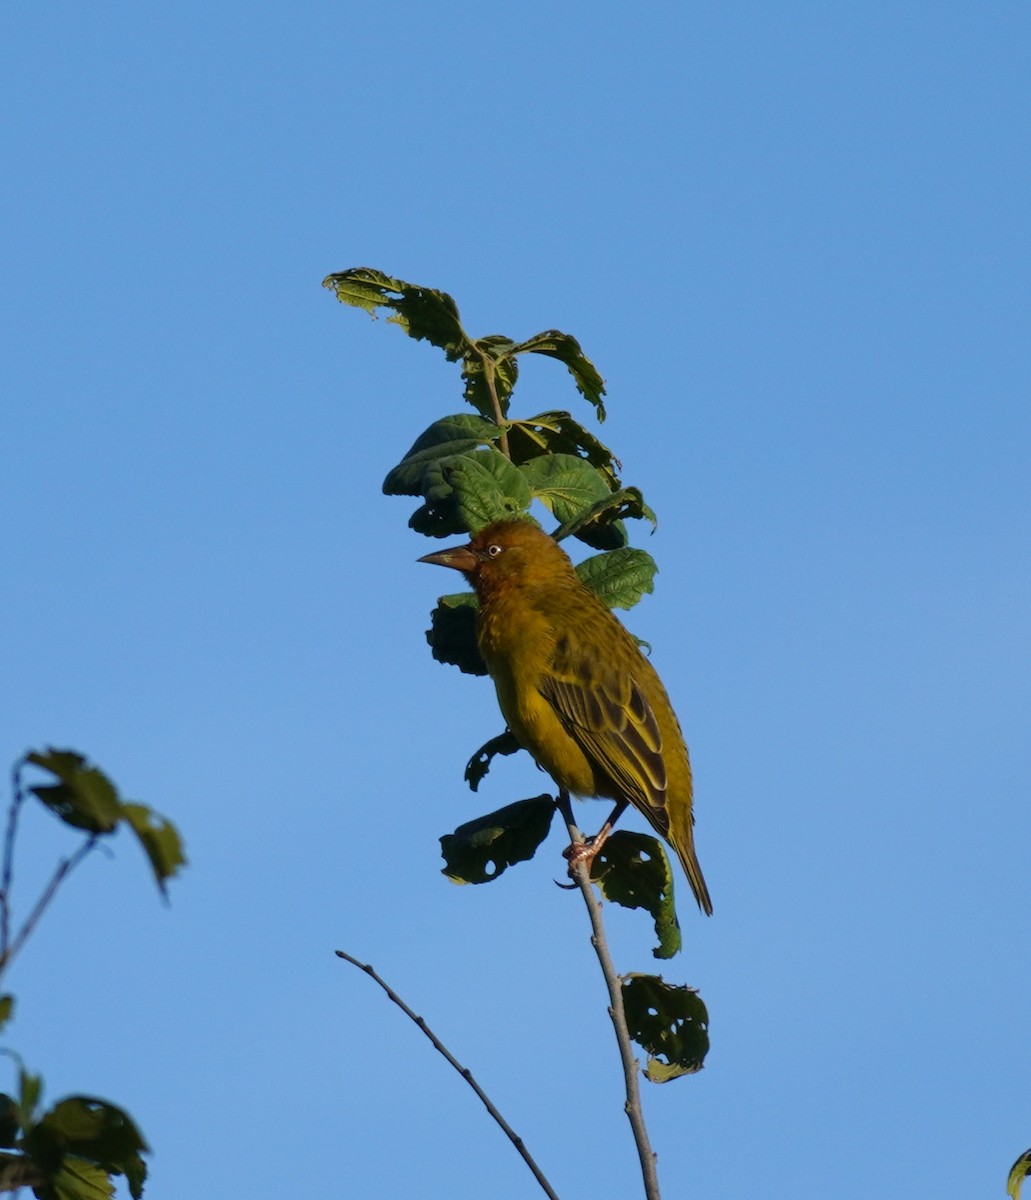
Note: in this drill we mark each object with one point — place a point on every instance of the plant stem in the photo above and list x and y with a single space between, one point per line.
7 878
64 869
489 367
466 1074
631 1069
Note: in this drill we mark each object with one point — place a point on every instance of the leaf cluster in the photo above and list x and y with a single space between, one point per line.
71 1151
470 469
633 870
84 798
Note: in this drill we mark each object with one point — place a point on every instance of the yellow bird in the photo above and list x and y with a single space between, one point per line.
574 687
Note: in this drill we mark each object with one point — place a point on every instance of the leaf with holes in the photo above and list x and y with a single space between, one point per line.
567 350
481 850
478 766
423 313
489 362
557 433
477 488
670 1023
452 633
632 870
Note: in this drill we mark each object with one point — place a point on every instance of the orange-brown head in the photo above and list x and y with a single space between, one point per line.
512 553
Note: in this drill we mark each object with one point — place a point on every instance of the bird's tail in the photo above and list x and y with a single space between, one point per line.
684 846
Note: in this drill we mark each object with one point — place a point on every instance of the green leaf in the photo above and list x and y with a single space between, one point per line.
490 360
478 766
452 633
565 484
592 525
632 870
557 433
77 1179
84 798
481 850
1018 1173
670 1023
160 841
619 577
437 521
6 1010
94 1130
30 1088
566 349
478 488
423 313
456 434
10 1121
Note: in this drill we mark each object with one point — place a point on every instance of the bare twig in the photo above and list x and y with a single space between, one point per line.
633 1108
466 1074
6 879
63 870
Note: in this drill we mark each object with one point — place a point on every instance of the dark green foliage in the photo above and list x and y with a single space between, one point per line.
632 869
565 484
84 798
452 633
620 577
670 1023
557 433
457 434
477 488
489 367
478 766
592 525
479 851
73 1150
452 465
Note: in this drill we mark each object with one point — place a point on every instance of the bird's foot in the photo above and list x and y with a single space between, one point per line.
582 853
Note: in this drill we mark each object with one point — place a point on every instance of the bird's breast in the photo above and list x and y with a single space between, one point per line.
517 643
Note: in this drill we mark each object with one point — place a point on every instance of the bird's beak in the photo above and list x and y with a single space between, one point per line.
459 557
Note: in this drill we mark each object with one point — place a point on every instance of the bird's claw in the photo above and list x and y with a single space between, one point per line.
581 853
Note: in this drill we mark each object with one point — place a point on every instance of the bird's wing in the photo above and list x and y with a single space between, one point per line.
606 713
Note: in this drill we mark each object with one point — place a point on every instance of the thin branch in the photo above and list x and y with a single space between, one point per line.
17 1171
466 1074
64 869
631 1068
489 366
7 878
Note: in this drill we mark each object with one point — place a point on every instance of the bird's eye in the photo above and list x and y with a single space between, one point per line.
493 550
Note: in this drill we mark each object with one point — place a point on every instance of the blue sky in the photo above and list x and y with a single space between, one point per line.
794 239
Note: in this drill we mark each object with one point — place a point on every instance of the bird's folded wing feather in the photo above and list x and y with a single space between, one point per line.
607 715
